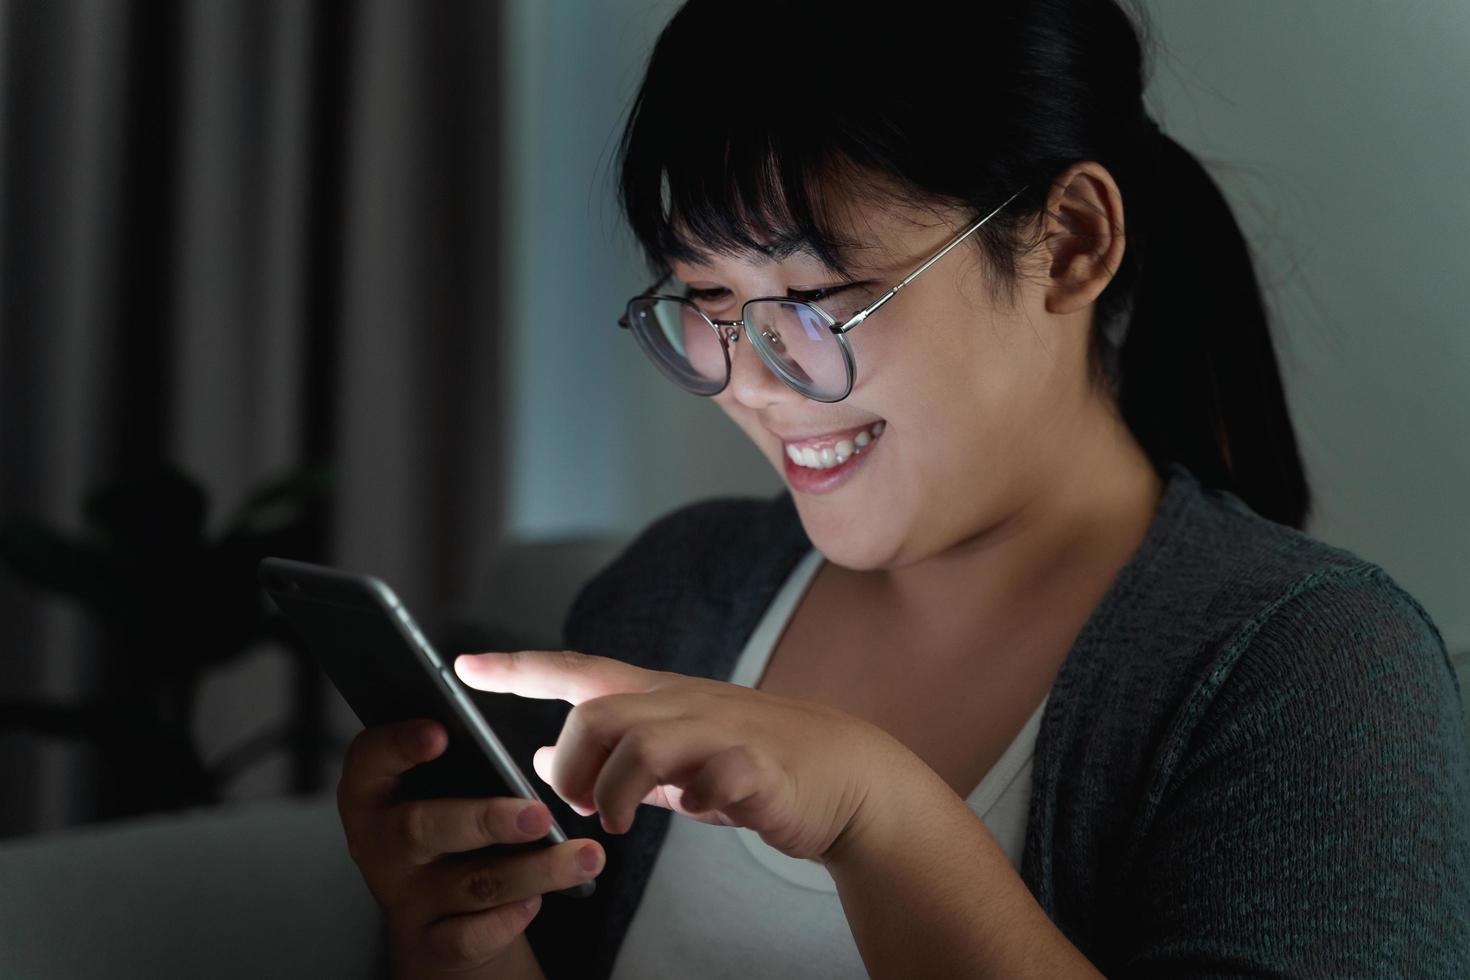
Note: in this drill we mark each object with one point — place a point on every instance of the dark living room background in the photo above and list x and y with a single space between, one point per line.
244 243
255 297
339 279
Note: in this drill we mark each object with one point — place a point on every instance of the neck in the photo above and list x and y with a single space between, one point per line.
1049 562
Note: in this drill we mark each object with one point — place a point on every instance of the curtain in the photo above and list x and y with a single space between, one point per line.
239 236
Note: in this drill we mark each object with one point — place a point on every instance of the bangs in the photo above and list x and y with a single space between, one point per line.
718 159
736 186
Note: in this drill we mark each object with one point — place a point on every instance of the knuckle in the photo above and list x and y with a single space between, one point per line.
749 757
640 742
486 886
574 660
587 717
413 827
485 824
695 688
648 751
665 680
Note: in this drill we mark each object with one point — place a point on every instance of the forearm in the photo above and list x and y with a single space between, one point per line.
928 892
518 962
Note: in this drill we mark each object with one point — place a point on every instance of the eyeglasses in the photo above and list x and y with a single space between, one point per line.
803 344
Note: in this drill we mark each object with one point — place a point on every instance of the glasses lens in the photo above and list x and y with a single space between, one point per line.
681 342
798 343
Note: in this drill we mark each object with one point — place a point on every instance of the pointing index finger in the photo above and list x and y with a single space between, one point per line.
564 675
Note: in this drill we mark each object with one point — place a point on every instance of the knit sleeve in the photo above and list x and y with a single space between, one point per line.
1312 815
623 609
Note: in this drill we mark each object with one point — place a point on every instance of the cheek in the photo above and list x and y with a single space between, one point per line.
953 387
925 367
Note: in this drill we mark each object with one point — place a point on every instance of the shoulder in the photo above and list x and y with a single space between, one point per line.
1212 576
1239 642
1340 648
1279 616
1318 663
1225 545
1287 603
1344 616
1318 748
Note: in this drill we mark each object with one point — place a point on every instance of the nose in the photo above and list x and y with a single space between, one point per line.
752 382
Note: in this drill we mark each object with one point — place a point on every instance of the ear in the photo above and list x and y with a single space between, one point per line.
1084 236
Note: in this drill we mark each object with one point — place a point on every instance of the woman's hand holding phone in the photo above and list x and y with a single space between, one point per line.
445 915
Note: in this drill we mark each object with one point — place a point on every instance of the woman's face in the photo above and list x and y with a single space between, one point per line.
975 399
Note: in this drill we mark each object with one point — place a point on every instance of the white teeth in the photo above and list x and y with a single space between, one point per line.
828 457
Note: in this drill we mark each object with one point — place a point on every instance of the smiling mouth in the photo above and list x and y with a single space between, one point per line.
833 449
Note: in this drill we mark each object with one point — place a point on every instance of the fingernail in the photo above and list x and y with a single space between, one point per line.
532 904
531 821
589 859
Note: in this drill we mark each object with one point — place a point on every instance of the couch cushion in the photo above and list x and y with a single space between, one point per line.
263 889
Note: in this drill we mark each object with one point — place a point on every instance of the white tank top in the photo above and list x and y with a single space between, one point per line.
721 903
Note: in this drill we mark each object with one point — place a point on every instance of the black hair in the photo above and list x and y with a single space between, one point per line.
749 109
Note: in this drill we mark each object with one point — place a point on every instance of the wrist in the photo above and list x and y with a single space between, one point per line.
923 881
890 810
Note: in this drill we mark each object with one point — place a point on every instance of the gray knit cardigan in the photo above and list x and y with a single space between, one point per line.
1254 761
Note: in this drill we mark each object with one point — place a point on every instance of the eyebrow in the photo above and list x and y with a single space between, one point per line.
783 248
787 246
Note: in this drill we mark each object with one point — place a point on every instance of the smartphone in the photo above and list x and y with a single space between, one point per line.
387 671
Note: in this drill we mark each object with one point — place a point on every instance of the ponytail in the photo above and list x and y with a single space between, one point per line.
1198 381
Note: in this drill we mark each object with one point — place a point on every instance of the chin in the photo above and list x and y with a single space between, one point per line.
855 544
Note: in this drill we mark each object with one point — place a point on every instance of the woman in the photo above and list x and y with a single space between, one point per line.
1030 672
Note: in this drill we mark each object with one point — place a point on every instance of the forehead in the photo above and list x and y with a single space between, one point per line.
874 239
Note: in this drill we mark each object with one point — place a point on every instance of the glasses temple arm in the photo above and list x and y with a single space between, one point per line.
872 308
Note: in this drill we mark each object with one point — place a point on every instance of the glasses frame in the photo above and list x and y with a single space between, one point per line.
728 331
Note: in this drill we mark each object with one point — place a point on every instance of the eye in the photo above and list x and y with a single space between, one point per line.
713 293
813 295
